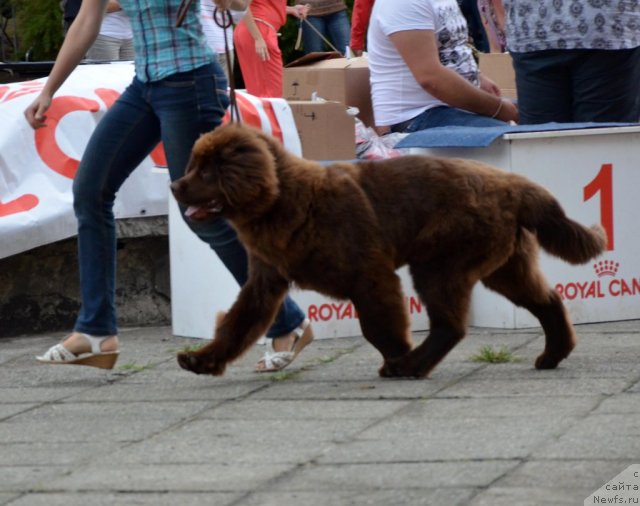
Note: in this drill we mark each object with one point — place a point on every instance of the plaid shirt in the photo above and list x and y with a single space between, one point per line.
161 49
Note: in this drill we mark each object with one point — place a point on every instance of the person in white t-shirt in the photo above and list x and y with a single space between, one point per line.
422 70
215 34
115 41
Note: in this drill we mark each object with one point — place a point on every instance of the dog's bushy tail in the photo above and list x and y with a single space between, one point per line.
559 235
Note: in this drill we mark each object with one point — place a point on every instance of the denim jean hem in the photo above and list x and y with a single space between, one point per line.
280 330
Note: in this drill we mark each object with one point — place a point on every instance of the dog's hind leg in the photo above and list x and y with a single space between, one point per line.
379 301
446 298
521 281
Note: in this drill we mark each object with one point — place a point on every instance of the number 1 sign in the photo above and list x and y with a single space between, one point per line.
595 174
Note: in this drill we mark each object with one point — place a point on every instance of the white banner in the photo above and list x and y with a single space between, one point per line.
37 167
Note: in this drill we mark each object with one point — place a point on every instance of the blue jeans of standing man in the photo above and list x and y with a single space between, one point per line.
174 110
335 27
578 85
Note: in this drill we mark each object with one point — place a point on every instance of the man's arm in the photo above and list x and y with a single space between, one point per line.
419 50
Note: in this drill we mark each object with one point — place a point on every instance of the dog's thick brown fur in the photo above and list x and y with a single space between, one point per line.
344 229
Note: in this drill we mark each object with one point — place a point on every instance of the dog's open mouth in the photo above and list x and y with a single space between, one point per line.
204 211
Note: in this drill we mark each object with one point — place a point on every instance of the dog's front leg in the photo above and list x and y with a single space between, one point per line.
248 319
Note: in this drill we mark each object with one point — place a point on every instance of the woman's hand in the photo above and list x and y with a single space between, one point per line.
298 11
489 86
508 111
36 112
262 50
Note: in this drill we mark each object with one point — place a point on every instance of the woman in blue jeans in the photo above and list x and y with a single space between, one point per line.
330 18
179 92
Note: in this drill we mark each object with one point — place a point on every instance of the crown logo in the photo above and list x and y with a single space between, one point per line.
606 268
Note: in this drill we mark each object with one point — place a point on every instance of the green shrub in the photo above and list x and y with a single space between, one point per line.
39 28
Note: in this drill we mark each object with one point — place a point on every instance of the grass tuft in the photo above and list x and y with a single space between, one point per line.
284 375
501 356
134 367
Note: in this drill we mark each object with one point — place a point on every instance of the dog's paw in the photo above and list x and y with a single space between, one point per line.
200 365
544 361
398 368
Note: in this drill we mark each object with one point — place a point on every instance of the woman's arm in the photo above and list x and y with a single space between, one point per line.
79 38
359 23
261 46
419 50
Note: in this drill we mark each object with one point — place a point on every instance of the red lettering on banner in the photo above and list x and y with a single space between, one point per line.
276 131
603 184
46 144
248 112
332 311
23 89
415 305
109 96
158 156
594 289
619 287
346 310
19 205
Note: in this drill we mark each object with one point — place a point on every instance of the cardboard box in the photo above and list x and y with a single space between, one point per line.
332 77
326 131
499 68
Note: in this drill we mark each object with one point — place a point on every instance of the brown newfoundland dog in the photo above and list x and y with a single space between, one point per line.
344 229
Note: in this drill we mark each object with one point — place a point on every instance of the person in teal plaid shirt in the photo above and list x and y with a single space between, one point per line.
179 92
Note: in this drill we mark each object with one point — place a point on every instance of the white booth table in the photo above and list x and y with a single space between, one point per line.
595 174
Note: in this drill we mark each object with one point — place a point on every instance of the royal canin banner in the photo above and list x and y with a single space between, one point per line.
37 167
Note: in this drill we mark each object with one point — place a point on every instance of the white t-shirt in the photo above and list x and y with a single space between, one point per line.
116 25
214 33
395 93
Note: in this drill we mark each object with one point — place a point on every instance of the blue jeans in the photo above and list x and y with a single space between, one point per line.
445 116
335 27
578 85
175 110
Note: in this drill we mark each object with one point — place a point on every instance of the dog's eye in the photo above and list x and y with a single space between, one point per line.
207 175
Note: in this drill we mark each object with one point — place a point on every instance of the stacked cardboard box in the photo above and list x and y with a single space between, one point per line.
499 68
326 131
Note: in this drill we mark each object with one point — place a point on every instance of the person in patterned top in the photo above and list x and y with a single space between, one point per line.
422 70
575 60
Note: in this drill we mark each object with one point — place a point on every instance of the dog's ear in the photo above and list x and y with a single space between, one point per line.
273 145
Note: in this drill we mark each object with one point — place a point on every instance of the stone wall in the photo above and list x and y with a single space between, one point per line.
39 289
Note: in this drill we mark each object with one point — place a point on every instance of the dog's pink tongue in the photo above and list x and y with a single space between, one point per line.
195 212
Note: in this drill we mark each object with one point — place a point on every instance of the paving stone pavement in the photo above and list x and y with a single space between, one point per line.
326 432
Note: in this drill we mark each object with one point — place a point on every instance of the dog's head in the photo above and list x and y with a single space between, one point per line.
232 173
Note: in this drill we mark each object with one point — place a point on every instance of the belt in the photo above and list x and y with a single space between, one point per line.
266 23
401 127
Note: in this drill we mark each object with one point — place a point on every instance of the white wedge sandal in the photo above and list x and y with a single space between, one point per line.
58 354
277 360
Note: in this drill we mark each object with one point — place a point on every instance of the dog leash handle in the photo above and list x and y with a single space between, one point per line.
183 8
